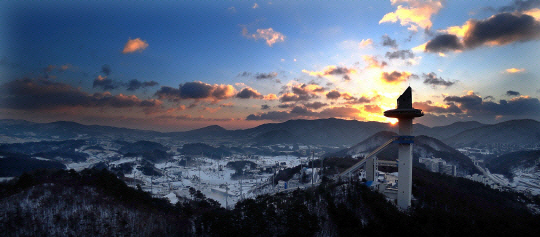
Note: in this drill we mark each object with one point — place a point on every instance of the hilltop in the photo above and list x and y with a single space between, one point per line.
424 146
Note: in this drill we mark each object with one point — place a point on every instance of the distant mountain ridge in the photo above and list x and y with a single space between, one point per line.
331 132
443 132
513 132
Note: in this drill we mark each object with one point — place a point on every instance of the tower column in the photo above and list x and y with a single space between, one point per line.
405 165
405 113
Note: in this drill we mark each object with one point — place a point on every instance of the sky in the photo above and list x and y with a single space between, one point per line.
177 66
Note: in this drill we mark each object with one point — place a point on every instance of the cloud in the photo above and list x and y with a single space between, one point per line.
65 67
196 90
351 100
247 93
210 110
255 6
106 69
396 77
270 97
134 45
340 112
265 107
473 104
284 106
365 43
270 75
105 83
499 29
502 29
269 35
433 80
315 105
373 109
108 84
331 71
443 43
42 94
417 14
47 70
303 112
244 74
291 97
387 41
518 5
400 54
512 93
135 84
307 89
373 62
231 9
515 70
272 115
227 105
430 107
333 95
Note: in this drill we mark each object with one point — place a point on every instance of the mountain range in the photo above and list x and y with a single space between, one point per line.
330 132
514 132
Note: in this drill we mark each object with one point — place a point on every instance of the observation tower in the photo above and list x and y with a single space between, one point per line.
405 113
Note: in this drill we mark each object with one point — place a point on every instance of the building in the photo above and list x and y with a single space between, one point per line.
438 165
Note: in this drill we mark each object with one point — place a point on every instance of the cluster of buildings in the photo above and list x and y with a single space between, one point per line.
438 165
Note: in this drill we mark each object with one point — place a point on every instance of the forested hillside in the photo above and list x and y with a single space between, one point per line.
95 202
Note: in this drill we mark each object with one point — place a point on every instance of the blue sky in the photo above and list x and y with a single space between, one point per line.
178 66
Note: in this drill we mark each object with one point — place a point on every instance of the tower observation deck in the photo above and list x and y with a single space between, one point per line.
404 107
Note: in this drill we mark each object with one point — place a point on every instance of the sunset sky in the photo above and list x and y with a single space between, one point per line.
171 66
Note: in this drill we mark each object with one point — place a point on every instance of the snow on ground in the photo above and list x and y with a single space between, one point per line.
172 198
204 176
5 179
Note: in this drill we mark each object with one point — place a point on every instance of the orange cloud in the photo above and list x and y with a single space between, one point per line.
459 31
420 48
270 97
515 70
269 35
134 46
372 62
373 109
418 14
365 43
396 77
331 70
534 13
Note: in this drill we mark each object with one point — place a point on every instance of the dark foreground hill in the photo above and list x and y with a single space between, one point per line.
96 203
